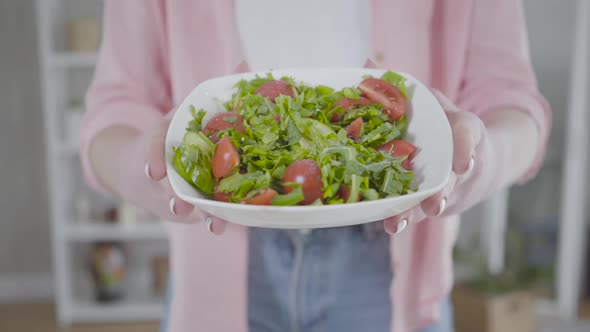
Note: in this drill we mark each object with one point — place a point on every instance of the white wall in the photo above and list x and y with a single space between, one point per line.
24 223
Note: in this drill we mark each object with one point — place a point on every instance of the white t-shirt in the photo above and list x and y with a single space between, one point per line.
303 33
297 33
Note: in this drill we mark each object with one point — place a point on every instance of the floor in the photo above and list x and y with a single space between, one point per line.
560 327
39 318
552 325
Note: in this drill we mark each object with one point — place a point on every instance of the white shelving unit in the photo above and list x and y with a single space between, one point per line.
65 75
94 231
69 59
124 311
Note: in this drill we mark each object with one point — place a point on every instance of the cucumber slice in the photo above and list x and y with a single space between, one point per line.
199 140
323 129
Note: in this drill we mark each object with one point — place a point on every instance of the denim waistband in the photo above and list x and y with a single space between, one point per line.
371 229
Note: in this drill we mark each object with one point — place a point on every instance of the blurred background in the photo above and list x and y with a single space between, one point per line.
71 260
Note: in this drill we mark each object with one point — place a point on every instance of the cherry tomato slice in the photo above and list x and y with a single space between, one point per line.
220 196
222 121
273 89
225 158
354 129
344 193
264 197
348 103
400 148
384 93
407 164
307 173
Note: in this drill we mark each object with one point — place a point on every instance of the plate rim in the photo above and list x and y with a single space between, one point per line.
298 208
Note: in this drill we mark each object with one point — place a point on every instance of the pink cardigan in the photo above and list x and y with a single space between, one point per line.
154 52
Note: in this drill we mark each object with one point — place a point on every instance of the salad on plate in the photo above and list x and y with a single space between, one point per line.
282 143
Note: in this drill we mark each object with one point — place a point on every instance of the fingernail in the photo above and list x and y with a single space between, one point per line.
442 206
401 226
171 205
445 102
471 164
146 171
209 224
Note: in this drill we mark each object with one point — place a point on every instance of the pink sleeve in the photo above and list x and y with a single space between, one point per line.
498 72
131 85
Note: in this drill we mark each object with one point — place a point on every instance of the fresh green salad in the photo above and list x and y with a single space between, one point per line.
282 142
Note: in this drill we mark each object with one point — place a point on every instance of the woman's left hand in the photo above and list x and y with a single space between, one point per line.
471 174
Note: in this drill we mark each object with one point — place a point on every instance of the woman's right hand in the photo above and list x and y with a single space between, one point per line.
155 172
153 191
131 164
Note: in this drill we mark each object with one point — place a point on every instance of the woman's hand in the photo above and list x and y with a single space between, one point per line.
471 176
132 165
155 171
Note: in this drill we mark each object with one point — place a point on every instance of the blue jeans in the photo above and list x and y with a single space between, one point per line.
334 279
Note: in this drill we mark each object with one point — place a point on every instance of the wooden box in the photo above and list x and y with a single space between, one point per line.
508 312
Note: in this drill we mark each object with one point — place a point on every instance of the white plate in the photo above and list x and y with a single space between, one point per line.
428 129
